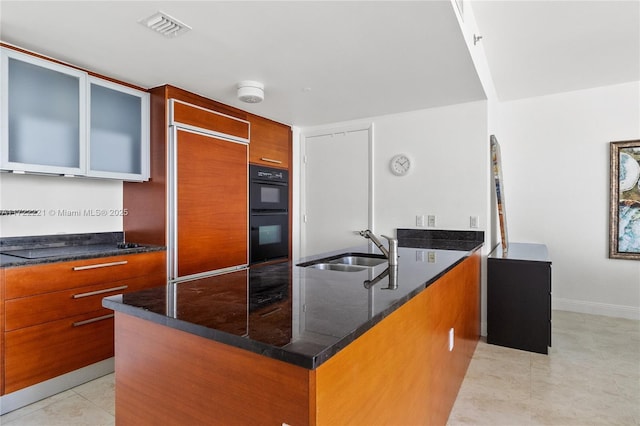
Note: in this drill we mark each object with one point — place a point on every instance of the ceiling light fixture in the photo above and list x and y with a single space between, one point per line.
251 91
164 24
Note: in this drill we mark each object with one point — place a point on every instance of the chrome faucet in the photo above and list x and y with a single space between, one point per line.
391 272
391 254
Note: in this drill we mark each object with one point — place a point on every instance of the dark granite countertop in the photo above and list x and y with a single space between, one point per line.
294 314
40 249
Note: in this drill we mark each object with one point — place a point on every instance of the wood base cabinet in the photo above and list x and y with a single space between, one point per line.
54 321
519 297
401 371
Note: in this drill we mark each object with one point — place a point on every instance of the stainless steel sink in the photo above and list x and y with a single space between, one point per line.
360 260
347 262
337 267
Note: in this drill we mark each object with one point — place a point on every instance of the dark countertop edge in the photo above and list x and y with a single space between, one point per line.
8 261
115 303
60 240
309 362
520 252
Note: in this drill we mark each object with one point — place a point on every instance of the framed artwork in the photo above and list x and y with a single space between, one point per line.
496 164
624 216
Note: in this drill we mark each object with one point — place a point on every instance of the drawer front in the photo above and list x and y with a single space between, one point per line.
28 311
39 353
32 280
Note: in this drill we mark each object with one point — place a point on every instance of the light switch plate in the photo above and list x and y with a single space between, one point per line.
473 222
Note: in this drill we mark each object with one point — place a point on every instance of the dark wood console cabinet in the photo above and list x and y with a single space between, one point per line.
519 297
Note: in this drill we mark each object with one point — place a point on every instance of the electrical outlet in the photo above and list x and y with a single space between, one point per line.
420 220
451 337
473 222
431 257
431 221
420 256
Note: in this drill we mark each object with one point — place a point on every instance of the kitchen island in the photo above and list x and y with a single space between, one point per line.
284 344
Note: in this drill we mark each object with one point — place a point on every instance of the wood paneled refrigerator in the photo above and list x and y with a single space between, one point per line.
208 198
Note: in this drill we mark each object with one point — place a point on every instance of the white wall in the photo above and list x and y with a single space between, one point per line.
64 205
450 162
449 152
555 153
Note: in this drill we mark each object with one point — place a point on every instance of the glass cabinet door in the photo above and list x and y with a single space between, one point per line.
118 131
43 115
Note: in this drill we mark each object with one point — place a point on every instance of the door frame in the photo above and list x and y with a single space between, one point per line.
328 131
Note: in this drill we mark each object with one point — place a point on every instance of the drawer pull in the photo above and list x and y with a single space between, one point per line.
89 321
100 265
266 314
269 160
93 293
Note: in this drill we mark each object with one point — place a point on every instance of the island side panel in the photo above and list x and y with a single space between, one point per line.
453 303
401 371
381 377
469 320
170 377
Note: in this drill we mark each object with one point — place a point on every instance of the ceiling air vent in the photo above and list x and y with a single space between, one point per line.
165 25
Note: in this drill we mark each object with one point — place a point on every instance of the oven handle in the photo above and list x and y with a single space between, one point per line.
269 182
259 212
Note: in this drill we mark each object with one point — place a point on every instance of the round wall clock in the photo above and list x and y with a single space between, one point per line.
400 165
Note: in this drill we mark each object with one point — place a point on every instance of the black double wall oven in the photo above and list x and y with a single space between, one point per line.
269 214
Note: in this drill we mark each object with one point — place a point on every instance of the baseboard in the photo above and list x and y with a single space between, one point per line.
595 308
26 396
483 329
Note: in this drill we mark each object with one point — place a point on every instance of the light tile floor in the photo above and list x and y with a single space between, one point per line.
590 377
90 404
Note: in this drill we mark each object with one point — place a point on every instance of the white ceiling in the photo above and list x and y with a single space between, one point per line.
542 47
324 62
320 61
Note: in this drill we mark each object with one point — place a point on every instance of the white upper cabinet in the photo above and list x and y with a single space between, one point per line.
43 116
58 120
118 131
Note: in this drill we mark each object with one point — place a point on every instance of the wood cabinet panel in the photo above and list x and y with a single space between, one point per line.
147 204
147 221
32 310
31 280
41 352
173 92
270 143
199 381
374 379
210 120
212 203
43 330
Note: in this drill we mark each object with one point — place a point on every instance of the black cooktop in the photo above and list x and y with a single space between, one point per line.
44 252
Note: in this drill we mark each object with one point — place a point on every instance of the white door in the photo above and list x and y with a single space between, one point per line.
336 198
